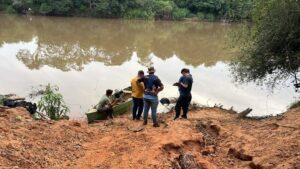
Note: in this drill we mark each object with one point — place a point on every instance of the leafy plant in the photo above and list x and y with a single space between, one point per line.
180 13
200 16
295 105
52 103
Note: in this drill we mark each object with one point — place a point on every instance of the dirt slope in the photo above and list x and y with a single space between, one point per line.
211 138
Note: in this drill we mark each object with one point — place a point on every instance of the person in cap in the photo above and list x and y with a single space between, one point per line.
153 86
184 84
138 87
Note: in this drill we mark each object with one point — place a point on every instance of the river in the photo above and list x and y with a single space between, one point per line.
85 56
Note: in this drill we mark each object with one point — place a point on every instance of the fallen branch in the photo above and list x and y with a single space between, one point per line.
287 126
135 130
244 113
42 116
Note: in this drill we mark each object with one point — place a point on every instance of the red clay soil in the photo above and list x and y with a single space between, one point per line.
211 138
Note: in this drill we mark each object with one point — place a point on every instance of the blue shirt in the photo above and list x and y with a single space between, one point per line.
187 80
152 82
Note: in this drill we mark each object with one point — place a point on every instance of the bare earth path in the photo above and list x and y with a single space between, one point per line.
211 138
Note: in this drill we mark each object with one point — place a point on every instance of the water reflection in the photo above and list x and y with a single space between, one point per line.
68 43
86 56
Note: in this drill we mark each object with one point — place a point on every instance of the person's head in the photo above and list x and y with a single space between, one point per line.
141 73
109 92
151 70
185 71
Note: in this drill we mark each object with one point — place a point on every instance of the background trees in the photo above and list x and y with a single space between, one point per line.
270 47
140 9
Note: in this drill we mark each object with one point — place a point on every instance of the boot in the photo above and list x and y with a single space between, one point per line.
145 122
156 125
184 116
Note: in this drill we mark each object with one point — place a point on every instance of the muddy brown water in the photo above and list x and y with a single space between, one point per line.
85 56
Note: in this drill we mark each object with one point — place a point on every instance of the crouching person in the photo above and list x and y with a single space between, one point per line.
105 104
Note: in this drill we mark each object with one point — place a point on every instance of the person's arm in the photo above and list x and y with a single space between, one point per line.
185 83
160 86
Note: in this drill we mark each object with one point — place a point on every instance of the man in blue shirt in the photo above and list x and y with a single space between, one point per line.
153 86
185 86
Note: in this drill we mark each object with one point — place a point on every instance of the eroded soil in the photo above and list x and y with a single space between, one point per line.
210 138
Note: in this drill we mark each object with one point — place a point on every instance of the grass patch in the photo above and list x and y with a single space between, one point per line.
295 104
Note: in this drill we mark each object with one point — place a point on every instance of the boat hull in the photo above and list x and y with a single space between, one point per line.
120 109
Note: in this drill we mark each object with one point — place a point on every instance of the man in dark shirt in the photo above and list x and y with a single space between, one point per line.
185 86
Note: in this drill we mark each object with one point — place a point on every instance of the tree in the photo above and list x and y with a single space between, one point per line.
270 47
45 8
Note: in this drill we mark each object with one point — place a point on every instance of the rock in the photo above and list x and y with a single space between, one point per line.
208 150
187 161
252 165
239 155
76 123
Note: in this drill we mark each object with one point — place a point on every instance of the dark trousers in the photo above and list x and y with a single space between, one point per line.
183 103
137 108
107 110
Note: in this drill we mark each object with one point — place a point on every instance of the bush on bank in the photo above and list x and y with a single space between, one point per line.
134 9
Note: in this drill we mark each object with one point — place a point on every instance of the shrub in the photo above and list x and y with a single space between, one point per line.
45 8
295 105
10 10
180 13
210 17
52 103
1 100
138 14
200 16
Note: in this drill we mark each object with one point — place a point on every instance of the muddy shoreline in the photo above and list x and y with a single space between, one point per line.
210 138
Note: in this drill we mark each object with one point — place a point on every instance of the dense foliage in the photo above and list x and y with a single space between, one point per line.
270 47
52 103
143 9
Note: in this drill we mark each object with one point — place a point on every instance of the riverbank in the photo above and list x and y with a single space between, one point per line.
210 138
147 10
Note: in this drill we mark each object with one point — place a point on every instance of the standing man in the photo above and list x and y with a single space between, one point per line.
138 88
105 104
185 86
153 86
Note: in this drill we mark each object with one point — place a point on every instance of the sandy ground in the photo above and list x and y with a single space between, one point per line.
210 138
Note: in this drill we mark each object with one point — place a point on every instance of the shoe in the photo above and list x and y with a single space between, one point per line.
184 117
145 122
155 125
176 117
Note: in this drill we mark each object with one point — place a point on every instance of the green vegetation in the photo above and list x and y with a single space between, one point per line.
1 100
52 103
270 47
134 9
294 105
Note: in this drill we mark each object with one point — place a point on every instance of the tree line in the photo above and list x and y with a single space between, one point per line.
209 10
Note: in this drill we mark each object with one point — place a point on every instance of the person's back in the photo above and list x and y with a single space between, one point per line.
153 86
152 83
103 102
137 87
